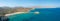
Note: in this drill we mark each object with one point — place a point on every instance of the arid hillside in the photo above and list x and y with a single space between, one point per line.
7 10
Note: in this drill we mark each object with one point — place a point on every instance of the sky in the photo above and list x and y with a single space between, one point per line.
28 3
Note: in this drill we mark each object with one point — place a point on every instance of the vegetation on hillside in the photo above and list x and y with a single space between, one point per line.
7 10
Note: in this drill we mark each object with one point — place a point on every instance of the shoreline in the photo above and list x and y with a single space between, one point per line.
15 13
18 12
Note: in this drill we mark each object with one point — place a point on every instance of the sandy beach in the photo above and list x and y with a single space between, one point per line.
14 13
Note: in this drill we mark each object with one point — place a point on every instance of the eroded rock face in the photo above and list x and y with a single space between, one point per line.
4 18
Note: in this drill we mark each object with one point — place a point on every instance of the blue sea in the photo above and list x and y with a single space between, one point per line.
45 14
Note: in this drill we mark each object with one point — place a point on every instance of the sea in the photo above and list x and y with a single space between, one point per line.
45 14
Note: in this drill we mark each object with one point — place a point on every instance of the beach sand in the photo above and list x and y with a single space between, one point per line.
15 13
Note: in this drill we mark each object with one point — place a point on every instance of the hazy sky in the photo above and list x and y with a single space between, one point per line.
42 3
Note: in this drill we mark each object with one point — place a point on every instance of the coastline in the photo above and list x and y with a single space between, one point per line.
15 13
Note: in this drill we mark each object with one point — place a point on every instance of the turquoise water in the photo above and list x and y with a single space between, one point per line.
21 17
46 14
